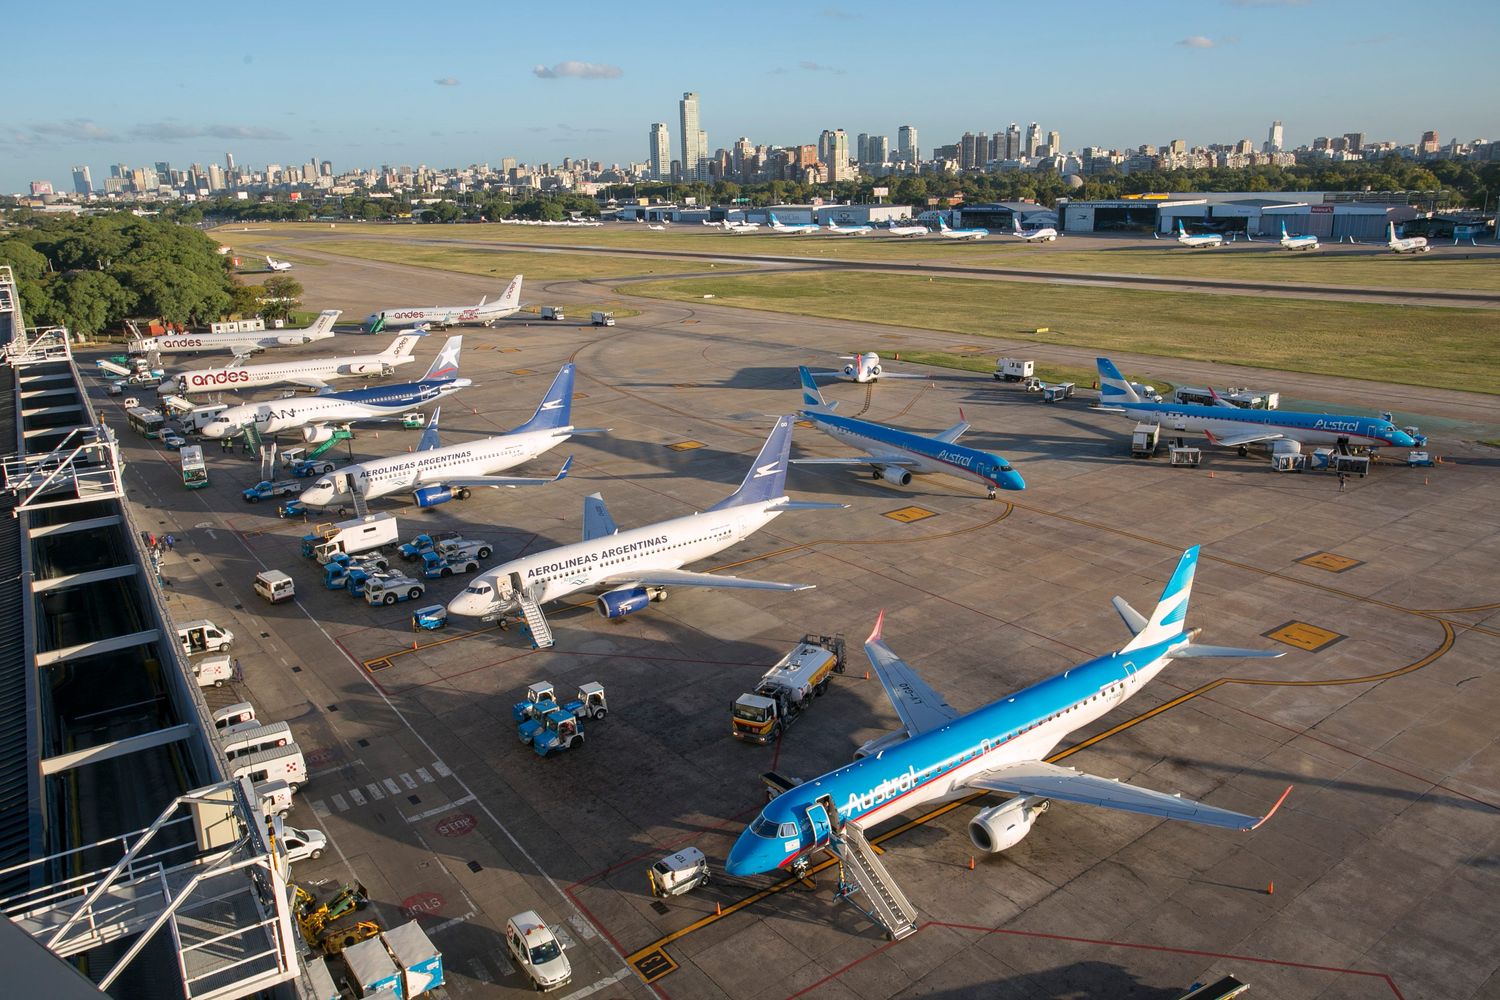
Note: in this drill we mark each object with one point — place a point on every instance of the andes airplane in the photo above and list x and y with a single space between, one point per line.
243 343
864 368
311 373
485 313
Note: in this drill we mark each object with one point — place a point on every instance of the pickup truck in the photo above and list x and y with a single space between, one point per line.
265 490
424 543
304 468
392 588
438 563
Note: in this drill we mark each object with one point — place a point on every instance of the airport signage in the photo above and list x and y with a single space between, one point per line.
421 904
228 377
1322 209
457 825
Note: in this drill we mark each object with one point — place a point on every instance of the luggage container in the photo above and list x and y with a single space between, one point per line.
420 962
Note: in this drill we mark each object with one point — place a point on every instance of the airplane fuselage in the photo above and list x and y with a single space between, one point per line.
928 455
1307 428
187 343
287 414
253 376
446 315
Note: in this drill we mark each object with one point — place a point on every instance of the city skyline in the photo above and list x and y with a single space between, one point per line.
1206 72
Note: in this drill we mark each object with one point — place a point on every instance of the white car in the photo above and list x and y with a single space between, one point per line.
303 845
537 951
130 402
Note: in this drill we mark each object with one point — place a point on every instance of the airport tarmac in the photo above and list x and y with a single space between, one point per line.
1378 877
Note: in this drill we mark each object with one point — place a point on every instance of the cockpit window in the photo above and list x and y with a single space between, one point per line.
479 589
1006 468
788 830
763 827
322 484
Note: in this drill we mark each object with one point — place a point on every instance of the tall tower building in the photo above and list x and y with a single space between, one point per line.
879 149
82 182
1033 139
1013 142
660 152
1054 139
862 148
693 155
906 144
1276 139
229 163
838 157
973 151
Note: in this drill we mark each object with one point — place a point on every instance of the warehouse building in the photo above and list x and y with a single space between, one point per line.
1330 216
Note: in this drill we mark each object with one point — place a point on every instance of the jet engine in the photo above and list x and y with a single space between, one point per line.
895 475
851 370
317 433
622 602
874 371
431 496
369 368
1003 826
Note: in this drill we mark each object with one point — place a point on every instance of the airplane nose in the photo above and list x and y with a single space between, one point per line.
1013 481
743 857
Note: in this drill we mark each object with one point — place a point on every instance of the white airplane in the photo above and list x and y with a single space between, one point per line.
1308 242
278 265
960 234
242 344
838 230
794 228
632 567
908 232
317 416
939 754
485 312
659 229
312 373
741 227
1208 241
434 474
863 368
1046 234
1408 244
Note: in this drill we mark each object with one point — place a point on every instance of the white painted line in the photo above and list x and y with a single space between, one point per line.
408 780
374 790
582 926
439 810
602 984
422 773
391 787
441 769
339 803
357 796
450 923
563 937
320 807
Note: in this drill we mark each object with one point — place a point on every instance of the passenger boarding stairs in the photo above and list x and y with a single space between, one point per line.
889 906
536 621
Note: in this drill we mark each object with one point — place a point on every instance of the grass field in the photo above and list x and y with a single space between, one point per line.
1241 261
1450 348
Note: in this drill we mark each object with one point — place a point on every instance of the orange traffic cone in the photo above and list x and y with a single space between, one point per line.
1270 888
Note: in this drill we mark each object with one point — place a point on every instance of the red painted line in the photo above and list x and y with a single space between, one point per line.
359 665
666 846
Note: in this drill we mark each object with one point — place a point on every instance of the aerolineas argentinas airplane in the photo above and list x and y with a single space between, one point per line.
485 312
895 454
864 368
633 567
857 230
960 234
313 373
939 755
908 232
1407 244
1046 234
1208 241
1231 427
1307 242
794 228
243 343
435 474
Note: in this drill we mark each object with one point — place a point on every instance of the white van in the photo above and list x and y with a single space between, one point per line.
284 763
213 671
275 797
203 636
234 718
252 741
275 586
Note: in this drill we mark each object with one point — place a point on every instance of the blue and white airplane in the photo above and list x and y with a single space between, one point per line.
1208 241
794 228
1305 242
1042 234
849 230
1227 425
895 455
939 755
960 234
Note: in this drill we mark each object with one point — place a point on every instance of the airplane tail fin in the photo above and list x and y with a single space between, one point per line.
1114 388
556 409
512 297
402 346
323 325
766 479
812 396
1171 611
445 365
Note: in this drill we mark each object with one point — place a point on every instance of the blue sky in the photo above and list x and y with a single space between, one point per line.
370 83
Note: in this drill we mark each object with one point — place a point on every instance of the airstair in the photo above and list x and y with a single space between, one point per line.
339 434
536 621
888 905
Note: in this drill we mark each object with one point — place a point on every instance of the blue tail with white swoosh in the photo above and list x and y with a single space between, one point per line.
1167 621
1114 388
556 409
766 479
812 396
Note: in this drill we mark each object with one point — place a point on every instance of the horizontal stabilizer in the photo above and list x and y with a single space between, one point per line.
952 434
590 430
498 481
808 505
1110 409
1134 620
1193 650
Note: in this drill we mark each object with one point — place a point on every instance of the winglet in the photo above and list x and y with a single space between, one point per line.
563 472
1277 806
879 624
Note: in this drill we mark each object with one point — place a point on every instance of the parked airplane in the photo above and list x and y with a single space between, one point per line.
1408 244
908 232
1207 241
632 567
1045 234
657 228
864 368
485 312
278 265
317 416
1307 242
434 474
960 234
741 227
940 755
858 230
894 455
795 228
312 373
1232 427
243 343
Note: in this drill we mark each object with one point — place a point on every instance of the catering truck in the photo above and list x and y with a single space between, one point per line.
788 688
360 534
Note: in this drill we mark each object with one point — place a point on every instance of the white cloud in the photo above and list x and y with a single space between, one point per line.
816 67
447 81
172 132
1197 42
580 70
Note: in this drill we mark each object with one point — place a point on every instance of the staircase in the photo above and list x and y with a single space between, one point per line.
361 508
889 906
339 434
536 622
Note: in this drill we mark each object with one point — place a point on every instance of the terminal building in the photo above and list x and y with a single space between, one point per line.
1330 216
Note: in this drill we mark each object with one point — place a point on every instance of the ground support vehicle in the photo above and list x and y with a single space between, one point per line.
561 730
787 689
275 586
430 618
266 489
388 589
424 543
203 636
1057 392
1144 440
602 319
1014 370
360 534
537 952
678 873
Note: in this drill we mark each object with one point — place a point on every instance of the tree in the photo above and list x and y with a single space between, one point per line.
282 297
89 301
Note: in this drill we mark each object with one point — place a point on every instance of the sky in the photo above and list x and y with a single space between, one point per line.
373 83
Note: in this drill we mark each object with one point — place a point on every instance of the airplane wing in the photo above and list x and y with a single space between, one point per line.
1035 777
830 374
1244 437
310 381
921 708
865 460
886 374
683 578
952 434
498 481
242 352
596 520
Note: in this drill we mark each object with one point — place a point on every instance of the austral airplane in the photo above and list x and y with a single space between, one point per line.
960 234
243 343
794 228
485 313
894 454
939 754
1208 241
310 373
864 368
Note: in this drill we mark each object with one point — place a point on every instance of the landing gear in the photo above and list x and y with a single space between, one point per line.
801 866
992 493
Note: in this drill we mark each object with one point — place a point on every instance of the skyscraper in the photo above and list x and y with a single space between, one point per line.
973 151
1276 138
82 182
1429 144
693 155
862 148
879 149
906 144
1033 139
660 152
229 163
1013 142
1054 140
838 158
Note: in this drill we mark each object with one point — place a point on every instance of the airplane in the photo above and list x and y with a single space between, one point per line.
317 416
940 755
865 368
895 455
1308 242
659 229
794 228
243 344
278 265
1046 234
741 227
1231 427
485 312
1408 244
1207 242
435 474
311 373
838 230
908 232
632 568
960 234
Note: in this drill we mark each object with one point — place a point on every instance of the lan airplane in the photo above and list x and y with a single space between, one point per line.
312 373
278 265
1208 241
1307 242
864 368
486 312
317 416
908 232
838 230
795 228
1233 427
1407 244
244 343
632 567
1046 234
434 474
894 455
939 755
960 234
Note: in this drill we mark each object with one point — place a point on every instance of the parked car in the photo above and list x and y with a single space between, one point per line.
303 845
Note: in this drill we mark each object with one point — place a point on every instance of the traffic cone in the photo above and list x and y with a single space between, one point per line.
718 909
1270 888
971 862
